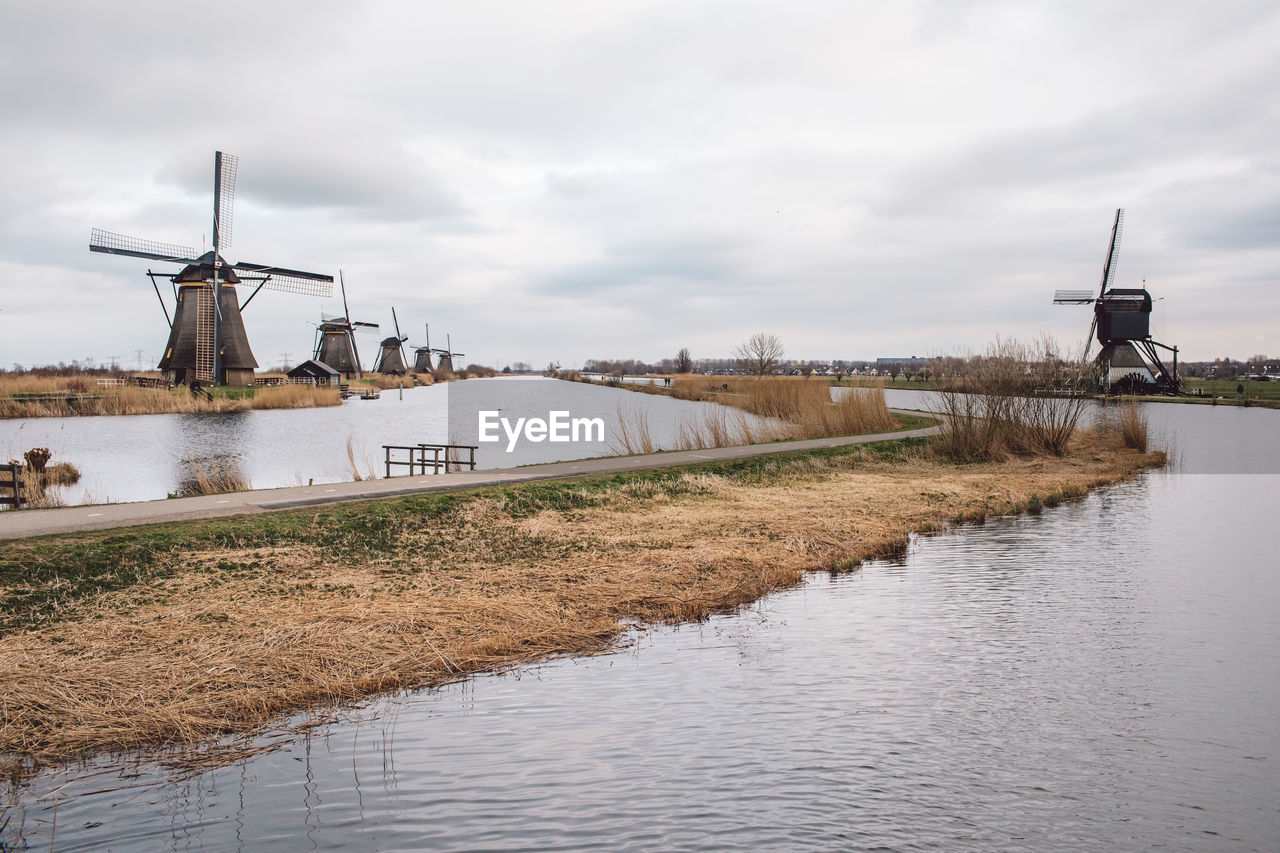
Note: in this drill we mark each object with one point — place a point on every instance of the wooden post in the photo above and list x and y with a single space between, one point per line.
14 472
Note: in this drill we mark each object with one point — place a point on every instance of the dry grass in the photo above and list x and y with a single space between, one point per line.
383 381
369 472
803 403
633 434
1133 426
722 427
784 408
131 400
230 638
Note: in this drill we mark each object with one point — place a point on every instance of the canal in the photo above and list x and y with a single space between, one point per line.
1103 675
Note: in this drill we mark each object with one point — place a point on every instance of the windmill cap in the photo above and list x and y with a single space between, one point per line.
202 270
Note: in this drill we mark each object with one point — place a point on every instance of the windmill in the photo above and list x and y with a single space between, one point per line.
336 340
446 356
422 354
207 341
1122 324
391 358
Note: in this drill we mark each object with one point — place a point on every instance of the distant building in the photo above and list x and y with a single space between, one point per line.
317 371
915 362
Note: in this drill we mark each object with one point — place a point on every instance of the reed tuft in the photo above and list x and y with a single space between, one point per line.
1133 426
213 477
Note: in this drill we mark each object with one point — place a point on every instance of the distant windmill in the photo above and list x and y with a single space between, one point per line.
1122 323
207 340
336 340
446 356
391 358
422 354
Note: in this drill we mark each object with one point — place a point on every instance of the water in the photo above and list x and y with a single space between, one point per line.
145 457
1106 675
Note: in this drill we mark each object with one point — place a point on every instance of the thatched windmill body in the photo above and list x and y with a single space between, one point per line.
1129 359
207 340
391 356
336 342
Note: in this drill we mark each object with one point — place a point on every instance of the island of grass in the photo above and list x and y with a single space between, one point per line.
176 635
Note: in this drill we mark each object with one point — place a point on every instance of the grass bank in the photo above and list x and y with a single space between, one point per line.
174 635
87 398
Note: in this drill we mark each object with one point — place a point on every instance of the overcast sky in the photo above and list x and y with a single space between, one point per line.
570 180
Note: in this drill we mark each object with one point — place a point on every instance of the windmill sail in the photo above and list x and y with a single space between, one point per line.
224 198
111 243
286 280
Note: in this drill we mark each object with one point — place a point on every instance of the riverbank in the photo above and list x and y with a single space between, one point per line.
133 400
173 635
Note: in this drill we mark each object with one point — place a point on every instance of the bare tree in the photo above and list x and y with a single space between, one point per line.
684 361
760 354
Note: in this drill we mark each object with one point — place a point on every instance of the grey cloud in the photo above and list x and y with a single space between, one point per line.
371 181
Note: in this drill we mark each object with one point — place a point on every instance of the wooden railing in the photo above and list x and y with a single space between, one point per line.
11 484
442 456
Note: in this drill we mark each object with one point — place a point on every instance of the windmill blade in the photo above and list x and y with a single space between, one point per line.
343 284
225 167
365 328
119 244
290 281
396 321
1088 341
1072 297
1113 252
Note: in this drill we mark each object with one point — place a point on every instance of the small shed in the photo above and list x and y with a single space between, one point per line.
317 371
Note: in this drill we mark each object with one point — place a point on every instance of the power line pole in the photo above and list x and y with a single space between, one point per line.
284 356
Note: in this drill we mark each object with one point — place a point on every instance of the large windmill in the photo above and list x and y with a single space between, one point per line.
1122 324
336 340
391 358
207 341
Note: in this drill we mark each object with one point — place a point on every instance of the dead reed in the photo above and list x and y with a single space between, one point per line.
225 632
632 434
370 472
1013 398
769 409
1133 426
213 477
131 400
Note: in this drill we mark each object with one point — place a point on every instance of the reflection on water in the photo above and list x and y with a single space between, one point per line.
1103 676
214 466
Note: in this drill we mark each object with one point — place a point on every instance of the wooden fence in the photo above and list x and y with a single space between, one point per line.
443 456
11 485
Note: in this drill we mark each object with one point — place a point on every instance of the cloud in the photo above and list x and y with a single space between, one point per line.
568 179
364 180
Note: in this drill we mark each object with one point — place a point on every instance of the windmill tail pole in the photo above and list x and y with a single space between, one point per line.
152 276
